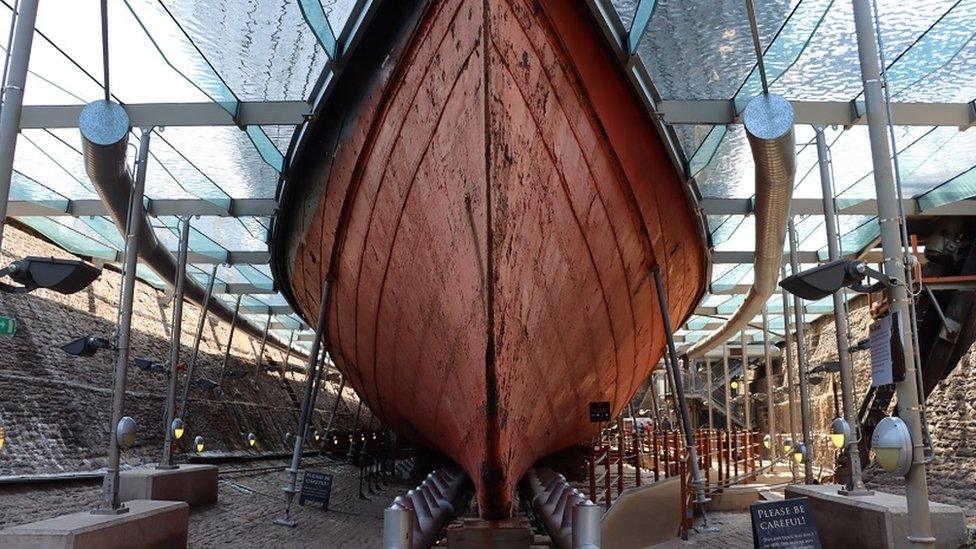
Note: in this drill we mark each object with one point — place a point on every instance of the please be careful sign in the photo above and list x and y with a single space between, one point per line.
784 524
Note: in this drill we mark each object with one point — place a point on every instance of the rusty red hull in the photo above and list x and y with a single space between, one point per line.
490 200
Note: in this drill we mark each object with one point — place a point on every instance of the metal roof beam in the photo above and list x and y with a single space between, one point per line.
175 114
814 206
238 207
736 257
841 113
265 309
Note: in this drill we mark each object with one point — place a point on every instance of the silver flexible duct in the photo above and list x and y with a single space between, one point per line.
104 129
768 120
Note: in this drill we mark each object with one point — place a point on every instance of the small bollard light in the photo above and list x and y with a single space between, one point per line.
125 432
787 445
767 442
892 445
800 453
362 437
317 435
288 438
3 436
178 428
840 433
252 440
198 444
335 440
374 436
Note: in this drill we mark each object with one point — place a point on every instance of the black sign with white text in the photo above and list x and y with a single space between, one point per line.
786 524
599 412
317 487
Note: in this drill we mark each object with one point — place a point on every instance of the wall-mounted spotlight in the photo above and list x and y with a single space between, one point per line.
198 444
125 432
252 440
767 442
824 280
840 433
86 346
892 445
65 276
178 428
800 453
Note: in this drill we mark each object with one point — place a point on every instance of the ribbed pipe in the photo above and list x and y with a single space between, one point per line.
768 120
104 129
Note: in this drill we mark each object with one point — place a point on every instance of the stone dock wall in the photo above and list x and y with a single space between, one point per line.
55 407
951 413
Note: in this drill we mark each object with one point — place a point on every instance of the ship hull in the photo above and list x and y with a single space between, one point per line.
489 203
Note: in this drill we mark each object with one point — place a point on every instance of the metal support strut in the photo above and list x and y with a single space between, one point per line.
174 351
916 488
13 98
124 328
311 374
801 354
196 343
679 395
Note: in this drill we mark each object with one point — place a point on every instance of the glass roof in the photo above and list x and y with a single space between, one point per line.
225 52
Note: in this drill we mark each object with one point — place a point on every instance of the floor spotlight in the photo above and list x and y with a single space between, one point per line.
178 428
125 432
824 280
787 445
767 442
840 433
86 345
800 454
892 445
3 436
65 276
198 444
252 440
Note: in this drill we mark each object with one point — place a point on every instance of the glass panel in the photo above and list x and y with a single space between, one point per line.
73 235
314 15
958 188
263 50
266 148
280 135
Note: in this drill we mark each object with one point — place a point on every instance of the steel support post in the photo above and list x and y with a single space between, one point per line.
313 355
315 388
260 359
335 408
916 488
13 99
788 365
708 392
679 394
801 356
174 349
855 486
123 330
196 343
355 428
746 396
727 388
770 408
230 341
284 363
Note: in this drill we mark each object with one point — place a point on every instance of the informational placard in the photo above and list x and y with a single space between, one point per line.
599 412
879 338
784 524
316 487
8 326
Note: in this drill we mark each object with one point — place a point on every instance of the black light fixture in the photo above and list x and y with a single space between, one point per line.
65 276
86 345
822 281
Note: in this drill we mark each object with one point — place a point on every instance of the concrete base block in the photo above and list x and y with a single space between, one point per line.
194 484
513 533
879 520
156 524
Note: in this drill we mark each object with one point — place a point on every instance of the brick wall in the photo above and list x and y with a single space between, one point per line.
951 415
55 407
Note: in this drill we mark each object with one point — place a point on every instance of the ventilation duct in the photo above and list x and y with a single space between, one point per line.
768 120
104 129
